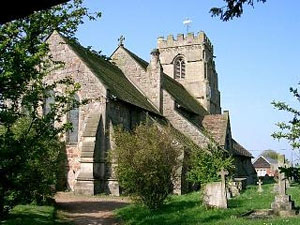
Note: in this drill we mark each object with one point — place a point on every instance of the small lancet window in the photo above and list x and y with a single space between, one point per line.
179 68
73 118
48 102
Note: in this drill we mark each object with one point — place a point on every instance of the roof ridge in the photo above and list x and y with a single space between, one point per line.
143 63
110 76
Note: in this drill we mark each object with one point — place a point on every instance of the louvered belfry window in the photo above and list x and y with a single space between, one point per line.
179 68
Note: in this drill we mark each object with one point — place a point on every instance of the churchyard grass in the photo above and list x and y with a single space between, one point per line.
187 209
33 215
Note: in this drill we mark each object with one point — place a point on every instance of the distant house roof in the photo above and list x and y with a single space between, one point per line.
264 162
240 150
216 126
112 77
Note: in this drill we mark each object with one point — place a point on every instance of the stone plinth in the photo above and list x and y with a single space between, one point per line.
283 205
86 186
214 195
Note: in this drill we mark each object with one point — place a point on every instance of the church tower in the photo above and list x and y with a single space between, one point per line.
190 61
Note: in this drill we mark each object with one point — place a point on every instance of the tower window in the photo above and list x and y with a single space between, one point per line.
179 68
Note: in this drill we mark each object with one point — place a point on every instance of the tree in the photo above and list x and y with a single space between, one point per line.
289 130
205 163
270 153
146 160
232 9
30 144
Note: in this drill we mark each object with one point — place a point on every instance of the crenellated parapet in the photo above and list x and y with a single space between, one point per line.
184 40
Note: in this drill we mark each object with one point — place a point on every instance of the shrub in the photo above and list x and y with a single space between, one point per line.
29 173
206 163
145 159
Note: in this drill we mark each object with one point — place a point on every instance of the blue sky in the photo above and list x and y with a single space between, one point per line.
257 55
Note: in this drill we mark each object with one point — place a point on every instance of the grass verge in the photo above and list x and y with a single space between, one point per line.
33 215
188 210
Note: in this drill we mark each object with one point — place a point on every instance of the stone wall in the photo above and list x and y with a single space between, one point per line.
244 168
128 116
181 123
91 88
201 78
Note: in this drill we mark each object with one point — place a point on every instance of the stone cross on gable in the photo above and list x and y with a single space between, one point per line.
121 39
223 173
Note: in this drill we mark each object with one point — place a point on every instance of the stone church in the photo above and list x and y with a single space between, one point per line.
179 85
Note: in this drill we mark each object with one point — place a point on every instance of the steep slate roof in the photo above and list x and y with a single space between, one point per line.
175 89
139 60
182 96
240 150
112 77
216 125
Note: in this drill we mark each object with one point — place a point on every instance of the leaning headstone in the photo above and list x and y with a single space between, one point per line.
233 189
214 194
283 205
236 186
260 190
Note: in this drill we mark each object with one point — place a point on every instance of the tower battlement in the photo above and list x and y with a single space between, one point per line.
184 40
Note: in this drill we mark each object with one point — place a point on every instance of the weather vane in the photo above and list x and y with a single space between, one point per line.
187 22
121 40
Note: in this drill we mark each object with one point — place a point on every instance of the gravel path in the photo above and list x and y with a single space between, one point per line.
89 210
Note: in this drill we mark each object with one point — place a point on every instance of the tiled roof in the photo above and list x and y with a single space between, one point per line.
112 77
216 126
264 162
270 160
261 162
240 150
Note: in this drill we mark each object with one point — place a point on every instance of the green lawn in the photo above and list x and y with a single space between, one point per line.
33 215
187 209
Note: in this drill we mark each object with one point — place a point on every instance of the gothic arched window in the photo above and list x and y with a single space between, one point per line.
73 118
179 68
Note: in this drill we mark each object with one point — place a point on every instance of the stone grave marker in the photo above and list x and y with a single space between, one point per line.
214 194
282 205
260 190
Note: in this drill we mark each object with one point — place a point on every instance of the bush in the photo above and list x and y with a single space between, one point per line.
30 164
206 163
146 160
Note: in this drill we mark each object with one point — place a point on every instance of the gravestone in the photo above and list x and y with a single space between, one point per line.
259 186
282 205
214 194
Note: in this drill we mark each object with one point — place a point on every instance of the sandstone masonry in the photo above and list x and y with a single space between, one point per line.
179 86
